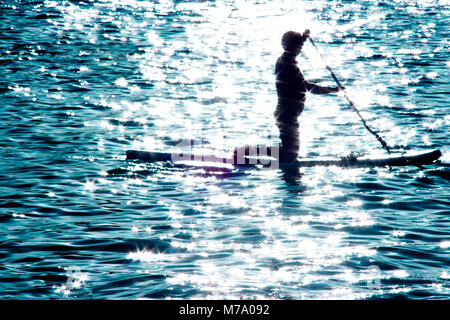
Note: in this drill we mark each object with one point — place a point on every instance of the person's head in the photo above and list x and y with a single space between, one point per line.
292 41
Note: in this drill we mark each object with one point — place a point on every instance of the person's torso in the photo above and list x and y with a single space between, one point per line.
290 87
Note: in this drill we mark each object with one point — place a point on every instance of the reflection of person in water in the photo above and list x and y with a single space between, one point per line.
291 90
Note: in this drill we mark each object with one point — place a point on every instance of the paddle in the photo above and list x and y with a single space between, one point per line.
352 104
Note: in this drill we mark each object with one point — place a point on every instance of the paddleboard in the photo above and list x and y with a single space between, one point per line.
407 159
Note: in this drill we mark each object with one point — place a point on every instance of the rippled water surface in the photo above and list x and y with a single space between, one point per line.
84 81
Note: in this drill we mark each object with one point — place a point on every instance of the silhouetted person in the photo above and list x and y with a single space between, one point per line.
291 90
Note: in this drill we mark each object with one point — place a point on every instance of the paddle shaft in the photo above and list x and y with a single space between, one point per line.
352 104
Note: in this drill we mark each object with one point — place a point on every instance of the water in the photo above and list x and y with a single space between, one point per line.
82 82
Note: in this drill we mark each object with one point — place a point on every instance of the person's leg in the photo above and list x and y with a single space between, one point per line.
290 141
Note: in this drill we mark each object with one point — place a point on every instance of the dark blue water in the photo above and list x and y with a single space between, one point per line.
83 81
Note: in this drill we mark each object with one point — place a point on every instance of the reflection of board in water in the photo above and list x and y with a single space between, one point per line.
409 159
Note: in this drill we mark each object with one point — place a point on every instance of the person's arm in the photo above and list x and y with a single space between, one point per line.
316 89
305 86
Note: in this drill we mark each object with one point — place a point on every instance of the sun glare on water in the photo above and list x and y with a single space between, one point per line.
211 82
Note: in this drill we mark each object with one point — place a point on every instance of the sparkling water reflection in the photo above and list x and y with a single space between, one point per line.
84 82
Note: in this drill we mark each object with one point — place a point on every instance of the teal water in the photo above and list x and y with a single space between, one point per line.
84 81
